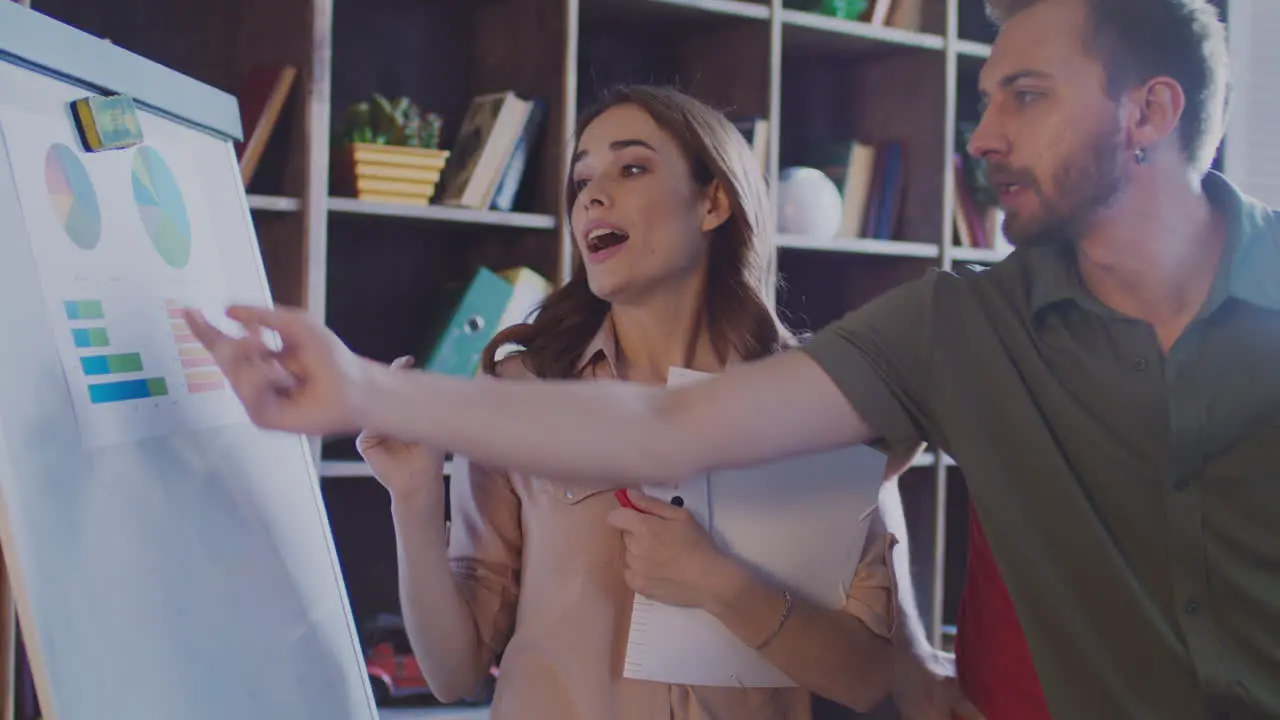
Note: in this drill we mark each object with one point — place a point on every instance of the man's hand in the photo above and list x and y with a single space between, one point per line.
311 385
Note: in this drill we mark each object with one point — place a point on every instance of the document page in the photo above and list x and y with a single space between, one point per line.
800 522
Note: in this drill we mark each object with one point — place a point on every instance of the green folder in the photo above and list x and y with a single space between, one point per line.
473 324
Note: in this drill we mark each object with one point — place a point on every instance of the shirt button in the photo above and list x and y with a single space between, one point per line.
1139 363
1191 608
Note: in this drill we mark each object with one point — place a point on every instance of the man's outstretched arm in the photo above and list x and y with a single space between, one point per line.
605 432
868 369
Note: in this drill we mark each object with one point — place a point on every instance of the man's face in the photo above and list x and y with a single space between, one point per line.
1050 136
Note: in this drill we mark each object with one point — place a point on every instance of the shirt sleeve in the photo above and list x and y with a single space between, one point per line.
484 548
879 356
873 592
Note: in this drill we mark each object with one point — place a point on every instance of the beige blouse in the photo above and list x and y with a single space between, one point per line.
542 572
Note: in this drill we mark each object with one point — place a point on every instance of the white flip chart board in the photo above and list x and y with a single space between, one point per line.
168 559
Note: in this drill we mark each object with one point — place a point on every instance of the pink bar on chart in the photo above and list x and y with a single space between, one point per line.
199 376
207 386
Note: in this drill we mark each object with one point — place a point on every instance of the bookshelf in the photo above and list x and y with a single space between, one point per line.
374 271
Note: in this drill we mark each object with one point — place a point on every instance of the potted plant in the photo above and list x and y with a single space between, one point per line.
389 151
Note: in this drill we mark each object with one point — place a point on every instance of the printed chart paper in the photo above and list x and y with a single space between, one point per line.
800 522
122 242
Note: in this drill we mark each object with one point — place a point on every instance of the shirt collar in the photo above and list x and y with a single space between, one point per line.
1053 275
604 345
1251 258
1253 244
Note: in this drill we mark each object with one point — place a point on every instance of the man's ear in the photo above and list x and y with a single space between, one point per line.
716 207
1156 108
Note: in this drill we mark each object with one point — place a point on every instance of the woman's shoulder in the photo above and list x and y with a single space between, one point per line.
514 367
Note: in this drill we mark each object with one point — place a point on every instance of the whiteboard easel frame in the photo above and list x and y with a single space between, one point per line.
40 44
43 45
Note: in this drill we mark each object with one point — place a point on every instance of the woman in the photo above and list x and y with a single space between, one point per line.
669 216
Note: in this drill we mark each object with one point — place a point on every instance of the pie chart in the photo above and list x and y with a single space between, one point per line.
74 200
160 204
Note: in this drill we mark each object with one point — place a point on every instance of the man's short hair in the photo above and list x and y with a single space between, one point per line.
1137 40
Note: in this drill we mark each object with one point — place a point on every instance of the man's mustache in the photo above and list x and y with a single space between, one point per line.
1001 174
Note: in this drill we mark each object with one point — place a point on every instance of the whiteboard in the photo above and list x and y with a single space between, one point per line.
168 559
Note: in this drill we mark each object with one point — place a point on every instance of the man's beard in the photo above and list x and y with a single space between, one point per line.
1084 185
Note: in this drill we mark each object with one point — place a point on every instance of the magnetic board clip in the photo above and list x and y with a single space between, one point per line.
107 122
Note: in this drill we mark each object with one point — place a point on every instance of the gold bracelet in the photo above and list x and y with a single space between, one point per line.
786 613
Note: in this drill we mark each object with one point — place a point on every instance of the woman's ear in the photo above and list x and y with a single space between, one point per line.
716 207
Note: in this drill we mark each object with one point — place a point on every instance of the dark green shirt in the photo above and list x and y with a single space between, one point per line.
1131 499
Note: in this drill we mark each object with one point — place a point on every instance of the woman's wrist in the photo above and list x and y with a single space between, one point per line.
423 499
748 606
726 581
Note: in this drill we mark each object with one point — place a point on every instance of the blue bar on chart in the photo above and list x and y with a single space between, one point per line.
128 390
83 309
90 337
111 364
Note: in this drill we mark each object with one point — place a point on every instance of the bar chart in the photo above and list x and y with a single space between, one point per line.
103 363
198 368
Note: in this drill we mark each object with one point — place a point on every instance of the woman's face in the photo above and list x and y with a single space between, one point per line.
640 221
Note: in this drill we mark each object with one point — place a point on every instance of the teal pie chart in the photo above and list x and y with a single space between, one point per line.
161 207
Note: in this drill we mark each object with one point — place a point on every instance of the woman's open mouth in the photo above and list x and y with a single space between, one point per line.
605 242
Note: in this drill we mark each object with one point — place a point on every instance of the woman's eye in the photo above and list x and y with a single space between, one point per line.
629 170
579 184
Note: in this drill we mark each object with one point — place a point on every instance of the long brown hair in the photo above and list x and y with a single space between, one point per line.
741 320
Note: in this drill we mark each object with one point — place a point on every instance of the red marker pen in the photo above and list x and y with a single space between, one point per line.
625 500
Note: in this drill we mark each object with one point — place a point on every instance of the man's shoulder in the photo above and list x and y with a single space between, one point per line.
939 295
1271 226
958 289
1256 258
1255 219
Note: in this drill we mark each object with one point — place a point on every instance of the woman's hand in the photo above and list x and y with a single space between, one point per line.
312 384
926 689
403 468
670 558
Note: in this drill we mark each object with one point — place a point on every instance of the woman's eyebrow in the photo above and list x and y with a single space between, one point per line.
617 145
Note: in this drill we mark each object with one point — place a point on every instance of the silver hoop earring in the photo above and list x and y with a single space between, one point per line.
1140 156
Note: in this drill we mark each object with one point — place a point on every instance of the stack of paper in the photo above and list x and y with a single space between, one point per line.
800 522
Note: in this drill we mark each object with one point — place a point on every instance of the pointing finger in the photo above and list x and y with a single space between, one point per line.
209 336
288 323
